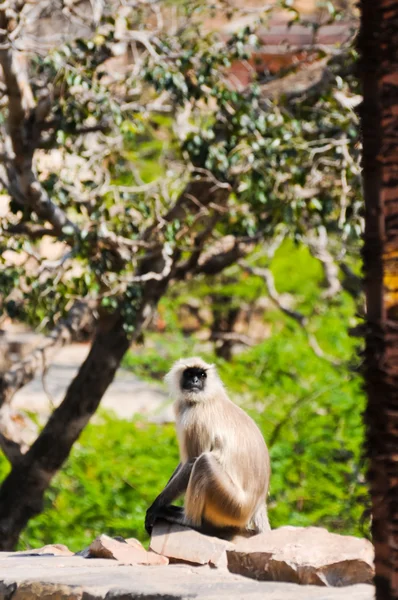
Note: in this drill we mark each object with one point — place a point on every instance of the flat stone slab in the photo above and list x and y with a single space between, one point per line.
43 577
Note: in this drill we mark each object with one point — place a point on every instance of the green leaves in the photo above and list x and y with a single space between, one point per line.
124 139
308 411
113 474
116 151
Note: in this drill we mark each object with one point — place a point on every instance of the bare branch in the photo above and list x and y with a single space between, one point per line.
294 407
53 265
318 248
24 131
232 336
152 275
117 241
208 176
197 193
33 232
98 8
191 263
222 254
142 38
268 278
225 253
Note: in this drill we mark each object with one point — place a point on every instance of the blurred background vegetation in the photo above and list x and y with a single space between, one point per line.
281 327
309 411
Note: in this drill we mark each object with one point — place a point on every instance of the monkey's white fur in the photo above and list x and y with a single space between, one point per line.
213 382
229 481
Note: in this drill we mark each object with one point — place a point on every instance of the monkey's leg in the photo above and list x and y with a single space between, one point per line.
260 520
176 514
174 489
212 495
172 514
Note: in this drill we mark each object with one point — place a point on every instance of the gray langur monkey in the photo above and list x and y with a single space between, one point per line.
224 470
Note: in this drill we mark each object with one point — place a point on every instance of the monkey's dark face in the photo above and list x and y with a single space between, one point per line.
193 379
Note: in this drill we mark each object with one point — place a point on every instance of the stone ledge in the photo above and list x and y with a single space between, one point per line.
75 578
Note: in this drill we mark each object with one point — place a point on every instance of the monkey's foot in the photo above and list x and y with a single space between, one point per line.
170 513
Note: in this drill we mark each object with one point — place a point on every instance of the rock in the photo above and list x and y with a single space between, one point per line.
75 578
303 555
182 544
41 591
85 553
50 549
128 553
134 543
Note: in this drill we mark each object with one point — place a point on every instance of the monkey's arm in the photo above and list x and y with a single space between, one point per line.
175 473
176 486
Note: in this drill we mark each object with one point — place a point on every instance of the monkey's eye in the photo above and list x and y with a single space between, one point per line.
203 375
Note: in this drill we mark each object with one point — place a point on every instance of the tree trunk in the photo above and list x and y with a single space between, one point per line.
21 494
378 45
224 319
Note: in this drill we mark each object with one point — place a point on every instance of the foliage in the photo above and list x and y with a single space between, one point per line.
309 412
117 467
291 163
312 412
106 485
117 154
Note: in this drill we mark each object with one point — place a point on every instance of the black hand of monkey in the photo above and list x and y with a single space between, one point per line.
150 518
171 513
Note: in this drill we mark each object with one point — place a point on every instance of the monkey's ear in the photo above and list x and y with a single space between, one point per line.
170 377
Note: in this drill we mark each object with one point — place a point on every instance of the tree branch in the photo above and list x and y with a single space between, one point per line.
268 278
33 232
30 477
198 193
351 282
191 263
222 254
69 329
23 124
318 248
272 439
232 336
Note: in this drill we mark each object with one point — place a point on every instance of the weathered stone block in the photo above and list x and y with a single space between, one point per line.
128 553
182 544
305 555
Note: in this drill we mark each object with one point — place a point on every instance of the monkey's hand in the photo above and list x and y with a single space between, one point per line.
170 513
150 517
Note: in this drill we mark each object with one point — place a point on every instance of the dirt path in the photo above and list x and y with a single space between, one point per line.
126 396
